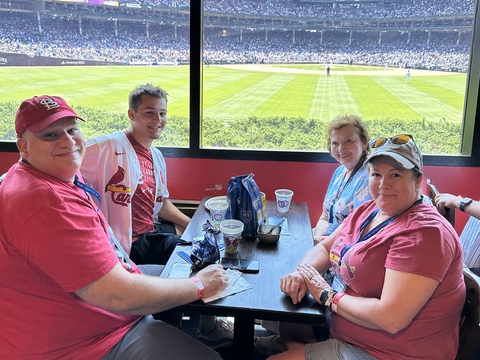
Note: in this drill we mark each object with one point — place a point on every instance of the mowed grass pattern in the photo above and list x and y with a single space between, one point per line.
240 92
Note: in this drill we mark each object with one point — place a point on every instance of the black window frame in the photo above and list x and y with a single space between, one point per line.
470 146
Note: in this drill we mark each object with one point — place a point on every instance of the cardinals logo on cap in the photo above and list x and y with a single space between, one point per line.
39 112
49 103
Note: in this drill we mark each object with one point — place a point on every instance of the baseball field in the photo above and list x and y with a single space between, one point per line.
254 106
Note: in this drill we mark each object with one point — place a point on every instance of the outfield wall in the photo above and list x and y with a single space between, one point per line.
11 59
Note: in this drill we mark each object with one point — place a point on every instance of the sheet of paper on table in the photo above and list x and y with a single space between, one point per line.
236 284
275 220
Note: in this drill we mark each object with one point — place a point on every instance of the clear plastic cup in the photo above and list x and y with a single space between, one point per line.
284 198
232 233
218 210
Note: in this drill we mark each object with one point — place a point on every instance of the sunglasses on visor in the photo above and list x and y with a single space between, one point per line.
397 140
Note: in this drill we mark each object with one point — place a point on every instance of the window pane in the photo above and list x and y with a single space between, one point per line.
276 72
126 46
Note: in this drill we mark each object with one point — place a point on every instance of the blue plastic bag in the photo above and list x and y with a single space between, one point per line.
245 203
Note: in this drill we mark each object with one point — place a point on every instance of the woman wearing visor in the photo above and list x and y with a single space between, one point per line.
398 287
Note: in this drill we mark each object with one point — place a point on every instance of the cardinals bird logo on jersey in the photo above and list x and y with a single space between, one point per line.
120 192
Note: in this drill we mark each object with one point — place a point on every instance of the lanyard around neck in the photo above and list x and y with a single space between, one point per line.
88 190
84 187
375 230
121 254
340 191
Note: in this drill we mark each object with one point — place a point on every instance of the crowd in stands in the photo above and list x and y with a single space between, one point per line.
127 42
98 41
294 9
442 52
352 9
364 9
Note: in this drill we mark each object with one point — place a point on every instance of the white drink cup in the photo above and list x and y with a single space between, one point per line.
284 198
232 233
218 210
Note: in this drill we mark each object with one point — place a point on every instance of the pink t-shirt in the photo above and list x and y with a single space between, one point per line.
419 241
52 243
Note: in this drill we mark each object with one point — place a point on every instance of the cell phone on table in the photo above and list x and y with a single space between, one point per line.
243 265
180 270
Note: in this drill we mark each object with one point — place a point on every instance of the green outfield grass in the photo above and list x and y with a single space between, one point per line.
246 92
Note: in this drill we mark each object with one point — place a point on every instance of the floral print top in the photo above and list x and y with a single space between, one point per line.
345 196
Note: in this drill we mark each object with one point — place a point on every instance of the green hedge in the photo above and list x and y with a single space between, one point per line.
433 136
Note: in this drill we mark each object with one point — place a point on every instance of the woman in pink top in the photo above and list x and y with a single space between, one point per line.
398 289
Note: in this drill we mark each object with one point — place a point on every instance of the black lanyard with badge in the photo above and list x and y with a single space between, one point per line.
338 284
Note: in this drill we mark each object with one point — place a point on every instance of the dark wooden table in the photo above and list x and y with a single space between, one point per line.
264 300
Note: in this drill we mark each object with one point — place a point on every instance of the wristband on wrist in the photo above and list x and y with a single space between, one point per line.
335 301
465 202
199 286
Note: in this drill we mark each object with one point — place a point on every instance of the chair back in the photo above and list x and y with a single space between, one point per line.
470 240
470 320
448 213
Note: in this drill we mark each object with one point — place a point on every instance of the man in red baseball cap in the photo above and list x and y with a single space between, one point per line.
39 112
61 257
49 138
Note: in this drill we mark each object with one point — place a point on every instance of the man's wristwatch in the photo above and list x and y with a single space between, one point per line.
465 202
326 297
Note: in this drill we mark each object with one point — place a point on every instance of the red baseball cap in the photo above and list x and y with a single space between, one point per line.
39 112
